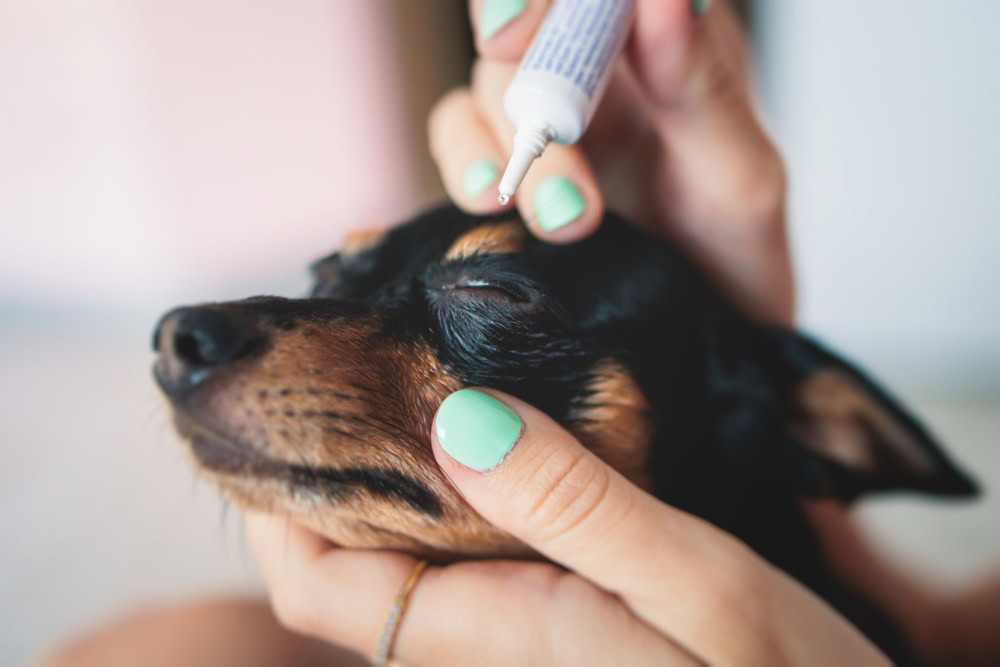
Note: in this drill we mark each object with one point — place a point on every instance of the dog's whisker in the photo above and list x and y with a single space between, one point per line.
375 392
223 510
340 396
241 537
397 433
341 368
388 453
303 460
155 412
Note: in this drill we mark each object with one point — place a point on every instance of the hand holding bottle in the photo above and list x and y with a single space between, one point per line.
675 146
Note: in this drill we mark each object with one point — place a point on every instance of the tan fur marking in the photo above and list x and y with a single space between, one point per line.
303 404
503 237
615 422
432 382
361 240
843 423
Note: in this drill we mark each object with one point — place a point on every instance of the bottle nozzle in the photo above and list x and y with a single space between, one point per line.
529 142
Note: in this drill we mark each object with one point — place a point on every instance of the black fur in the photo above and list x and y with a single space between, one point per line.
538 323
386 483
535 323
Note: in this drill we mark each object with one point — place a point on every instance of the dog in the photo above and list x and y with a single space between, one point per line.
321 407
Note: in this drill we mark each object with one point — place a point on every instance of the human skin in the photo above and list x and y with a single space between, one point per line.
630 580
679 114
675 146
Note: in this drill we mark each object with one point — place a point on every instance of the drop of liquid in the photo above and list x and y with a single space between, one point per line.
503 199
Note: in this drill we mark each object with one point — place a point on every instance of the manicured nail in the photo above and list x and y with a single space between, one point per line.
699 7
479 175
476 429
498 13
557 203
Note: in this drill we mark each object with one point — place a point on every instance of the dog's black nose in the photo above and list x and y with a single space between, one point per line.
194 342
204 336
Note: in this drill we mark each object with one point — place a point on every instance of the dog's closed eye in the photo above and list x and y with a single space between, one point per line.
504 283
490 292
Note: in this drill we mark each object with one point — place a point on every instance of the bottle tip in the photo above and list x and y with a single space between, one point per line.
520 159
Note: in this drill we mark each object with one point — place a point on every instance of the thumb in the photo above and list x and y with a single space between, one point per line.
683 576
524 473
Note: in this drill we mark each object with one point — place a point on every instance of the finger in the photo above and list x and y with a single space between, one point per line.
483 613
504 28
339 595
559 198
728 182
505 613
466 153
527 475
680 54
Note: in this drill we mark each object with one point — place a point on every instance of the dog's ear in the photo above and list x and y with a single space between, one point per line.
354 257
801 416
326 275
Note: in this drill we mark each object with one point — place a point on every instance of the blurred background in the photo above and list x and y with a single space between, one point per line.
157 153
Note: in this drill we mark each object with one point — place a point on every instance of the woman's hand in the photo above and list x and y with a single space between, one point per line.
644 583
675 146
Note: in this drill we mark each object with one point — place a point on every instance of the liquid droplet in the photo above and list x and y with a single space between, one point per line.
503 199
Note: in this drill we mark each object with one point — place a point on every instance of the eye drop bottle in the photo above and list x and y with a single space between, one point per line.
559 83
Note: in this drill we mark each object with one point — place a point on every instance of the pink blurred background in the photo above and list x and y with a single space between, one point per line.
153 154
156 153
154 148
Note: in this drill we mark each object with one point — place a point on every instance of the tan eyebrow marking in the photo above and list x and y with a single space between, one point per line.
502 237
361 240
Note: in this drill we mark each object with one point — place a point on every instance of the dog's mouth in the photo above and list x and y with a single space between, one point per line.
235 461
220 454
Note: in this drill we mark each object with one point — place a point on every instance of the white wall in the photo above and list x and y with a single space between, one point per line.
889 116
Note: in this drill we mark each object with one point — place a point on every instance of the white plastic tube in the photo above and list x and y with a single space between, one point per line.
559 83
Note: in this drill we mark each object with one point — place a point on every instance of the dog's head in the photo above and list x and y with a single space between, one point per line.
322 407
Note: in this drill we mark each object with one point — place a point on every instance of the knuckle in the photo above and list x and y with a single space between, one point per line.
481 74
762 191
753 202
752 182
747 581
490 77
740 588
567 491
454 102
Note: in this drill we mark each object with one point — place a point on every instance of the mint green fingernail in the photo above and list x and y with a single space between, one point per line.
498 13
478 176
699 7
557 203
476 429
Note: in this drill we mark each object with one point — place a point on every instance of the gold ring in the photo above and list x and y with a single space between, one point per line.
395 615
